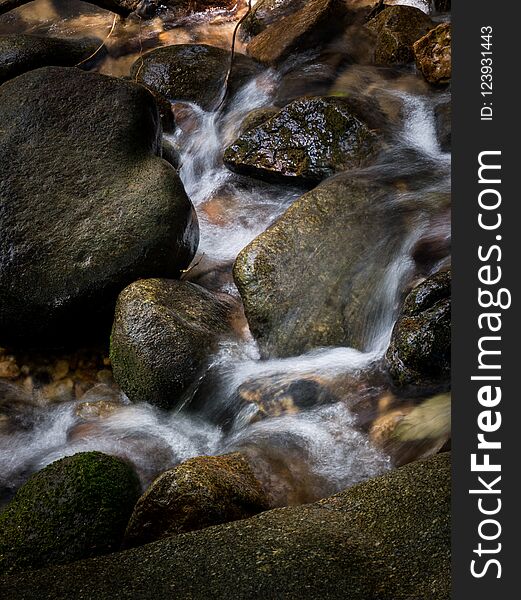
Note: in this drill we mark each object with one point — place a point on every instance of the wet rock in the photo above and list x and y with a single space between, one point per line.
305 29
199 493
257 117
76 507
396 29
419 353
97 409
265 13
433 55
292 309
97 209
192 73
307 141
163 334
387 538
443 115
20 53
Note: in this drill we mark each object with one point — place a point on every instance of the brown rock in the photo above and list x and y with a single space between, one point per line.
8 368
433 55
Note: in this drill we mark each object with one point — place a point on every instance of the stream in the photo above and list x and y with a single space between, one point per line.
299 455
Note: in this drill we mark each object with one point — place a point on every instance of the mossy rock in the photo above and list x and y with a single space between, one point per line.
433 55
384 539
163 333
202 491
193 73
396 29
420 349
76 507
266 12
306 142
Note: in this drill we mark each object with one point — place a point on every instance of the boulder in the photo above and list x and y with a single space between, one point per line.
419 353
396 29
316 21
307 141
163 333
76 507
20 53
87 204
346 233
193 73
265 13
388 538
433 57
203 491
257 117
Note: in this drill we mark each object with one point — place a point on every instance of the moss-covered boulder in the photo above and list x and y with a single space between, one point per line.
305 29
257 117
76 507
265 13
310 279
433 55
419 353
87 205
388 538
307 141
193 73
203 491
396 29
20 53
163 333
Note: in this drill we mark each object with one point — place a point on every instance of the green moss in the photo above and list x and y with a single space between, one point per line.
75 508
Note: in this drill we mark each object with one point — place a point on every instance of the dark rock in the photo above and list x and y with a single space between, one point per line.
257 117
87 206
76 507
396 29
419 353
192 73
265 13
163 334
305 29
307 141
20 53
199 493
170 153
310 279
433 55
443 115
388 538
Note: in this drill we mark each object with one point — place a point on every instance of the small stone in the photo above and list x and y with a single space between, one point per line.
104 376
9 369
59 391
60 369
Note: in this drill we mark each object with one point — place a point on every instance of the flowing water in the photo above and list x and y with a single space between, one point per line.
298 455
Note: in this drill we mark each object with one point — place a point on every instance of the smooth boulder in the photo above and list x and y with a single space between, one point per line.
76 507
312 278
433 55
21 52
199 493
306 142
388 538
193 73
87 205
163 333
396 29
420 351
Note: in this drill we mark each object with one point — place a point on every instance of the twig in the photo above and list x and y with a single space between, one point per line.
102 44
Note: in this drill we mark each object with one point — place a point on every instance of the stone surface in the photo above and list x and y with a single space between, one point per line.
433 55
307 141
396 29
192 73
310 279
203 491
76 507
388 538
266 12
163 333
87 205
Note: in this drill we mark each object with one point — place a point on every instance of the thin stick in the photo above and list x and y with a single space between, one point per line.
102 43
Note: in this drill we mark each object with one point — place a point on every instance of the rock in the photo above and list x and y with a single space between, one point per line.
9 368
120 7
163 334
292 309
20 53
419 353
87 204
199 493
307 141
388 538
433 55
396 29
265 13
317 21
257 117
76 507
443 116
192 73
